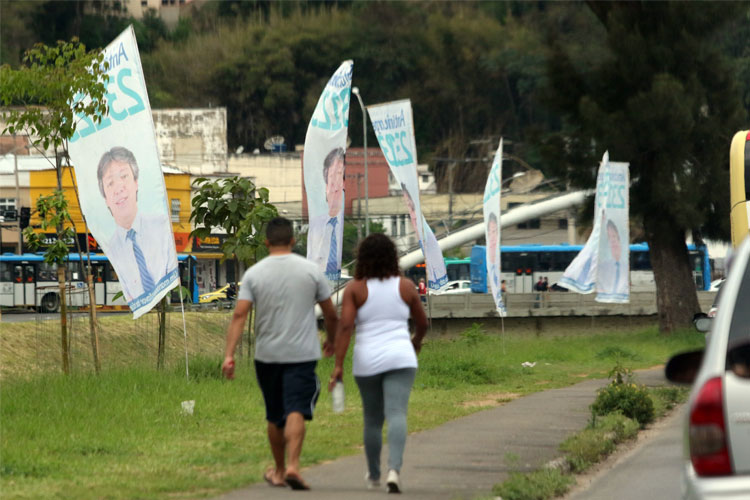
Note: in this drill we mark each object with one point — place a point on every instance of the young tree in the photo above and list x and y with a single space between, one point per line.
663 98
242 210
46 97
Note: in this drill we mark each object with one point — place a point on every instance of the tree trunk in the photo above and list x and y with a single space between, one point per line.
63 319
92 323
676 296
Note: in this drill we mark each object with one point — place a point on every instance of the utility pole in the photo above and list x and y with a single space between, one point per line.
450 195
359 209
18 197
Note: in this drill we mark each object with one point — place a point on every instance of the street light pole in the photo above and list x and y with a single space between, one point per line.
355 91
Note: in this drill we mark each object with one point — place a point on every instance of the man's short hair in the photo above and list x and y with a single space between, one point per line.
492 218
117 153
330 158
279 232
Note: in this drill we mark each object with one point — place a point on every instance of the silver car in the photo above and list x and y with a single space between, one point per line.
717 444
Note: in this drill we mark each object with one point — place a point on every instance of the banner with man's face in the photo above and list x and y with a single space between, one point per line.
491 209
323 166
603 265
613 262
394 128
121 186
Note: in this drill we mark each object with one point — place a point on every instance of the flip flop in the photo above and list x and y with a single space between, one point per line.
267 478
296 483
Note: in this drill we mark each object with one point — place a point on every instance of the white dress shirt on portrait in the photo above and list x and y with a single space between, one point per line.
153 233
613 277
319 239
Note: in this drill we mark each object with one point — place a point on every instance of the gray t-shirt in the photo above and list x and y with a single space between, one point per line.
284 290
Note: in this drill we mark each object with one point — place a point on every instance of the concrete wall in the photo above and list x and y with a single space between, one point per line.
280 173
549 304
193 140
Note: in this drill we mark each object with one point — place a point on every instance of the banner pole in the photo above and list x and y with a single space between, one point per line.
184 329
502 332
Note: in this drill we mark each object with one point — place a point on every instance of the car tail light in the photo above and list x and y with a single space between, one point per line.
708 444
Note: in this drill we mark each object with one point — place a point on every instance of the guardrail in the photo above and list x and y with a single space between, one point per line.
481 305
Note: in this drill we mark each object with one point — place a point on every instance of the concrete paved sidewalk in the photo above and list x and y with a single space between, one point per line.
464 458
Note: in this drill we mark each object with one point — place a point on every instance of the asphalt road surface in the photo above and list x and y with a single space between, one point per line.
649 471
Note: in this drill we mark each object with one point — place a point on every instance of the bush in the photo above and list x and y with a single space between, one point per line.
623 396
598 440
474 334
539 485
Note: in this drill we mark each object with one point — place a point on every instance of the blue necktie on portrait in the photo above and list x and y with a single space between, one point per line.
146 280
333 263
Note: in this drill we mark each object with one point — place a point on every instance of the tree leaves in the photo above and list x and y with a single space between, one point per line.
234 205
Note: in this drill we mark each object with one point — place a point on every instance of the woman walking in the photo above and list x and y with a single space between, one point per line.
379 302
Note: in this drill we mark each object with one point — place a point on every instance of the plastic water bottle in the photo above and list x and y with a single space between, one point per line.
338 397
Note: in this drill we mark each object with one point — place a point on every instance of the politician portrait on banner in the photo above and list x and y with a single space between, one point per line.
323 165
394 128
121 185
491 209
603 265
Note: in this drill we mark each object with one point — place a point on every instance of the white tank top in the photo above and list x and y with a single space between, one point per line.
382 342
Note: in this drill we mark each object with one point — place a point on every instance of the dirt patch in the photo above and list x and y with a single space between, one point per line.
492 400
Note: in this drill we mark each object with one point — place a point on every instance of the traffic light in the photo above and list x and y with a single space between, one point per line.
25 215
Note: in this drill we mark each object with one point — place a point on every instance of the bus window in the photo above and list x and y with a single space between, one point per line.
97 271
110 274
640 261
6 271
46 272
28 273
75 271
544 262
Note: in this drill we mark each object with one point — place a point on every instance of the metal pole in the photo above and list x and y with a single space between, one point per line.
355 91
18 198
367 183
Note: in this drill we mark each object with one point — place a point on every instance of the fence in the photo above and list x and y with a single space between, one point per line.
34 346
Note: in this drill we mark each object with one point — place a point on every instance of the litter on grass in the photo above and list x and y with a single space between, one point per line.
188 407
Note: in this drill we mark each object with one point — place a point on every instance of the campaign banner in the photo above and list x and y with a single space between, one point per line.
393 126
491 208
604 263
323 166
121 186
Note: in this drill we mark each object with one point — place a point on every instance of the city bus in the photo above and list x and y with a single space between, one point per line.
523 265
456 269
28 281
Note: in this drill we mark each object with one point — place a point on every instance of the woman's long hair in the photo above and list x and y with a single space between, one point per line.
376 258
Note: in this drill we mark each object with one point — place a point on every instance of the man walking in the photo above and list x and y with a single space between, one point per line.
285 288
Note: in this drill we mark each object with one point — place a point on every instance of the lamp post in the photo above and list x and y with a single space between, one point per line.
355 91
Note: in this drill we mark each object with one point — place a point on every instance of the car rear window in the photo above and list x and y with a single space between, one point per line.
740 326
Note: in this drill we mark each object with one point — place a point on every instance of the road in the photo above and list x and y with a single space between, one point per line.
651 470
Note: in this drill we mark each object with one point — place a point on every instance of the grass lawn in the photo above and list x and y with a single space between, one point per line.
122 434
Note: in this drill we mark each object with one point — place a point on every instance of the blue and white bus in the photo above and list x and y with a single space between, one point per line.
523 265
28 281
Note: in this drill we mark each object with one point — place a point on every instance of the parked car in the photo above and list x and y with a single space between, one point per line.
716 284
453 287
226 293
717 426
